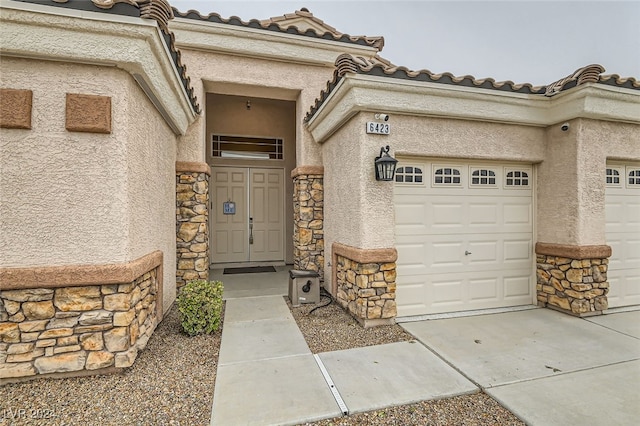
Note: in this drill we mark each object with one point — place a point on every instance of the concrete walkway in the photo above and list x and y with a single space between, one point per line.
544 366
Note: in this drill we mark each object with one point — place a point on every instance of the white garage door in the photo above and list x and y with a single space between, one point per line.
464 236
622 201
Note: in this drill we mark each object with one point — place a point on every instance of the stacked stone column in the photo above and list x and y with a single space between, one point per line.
572 279
365 283
192 222
308 219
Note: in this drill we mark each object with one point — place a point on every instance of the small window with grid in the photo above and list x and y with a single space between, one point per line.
517 178
633 175
613 177
409 174
450 176
483 177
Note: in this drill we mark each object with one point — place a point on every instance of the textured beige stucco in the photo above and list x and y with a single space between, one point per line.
571 184
73 198
216 72
570 172
133 44
151 187
360 210
62 191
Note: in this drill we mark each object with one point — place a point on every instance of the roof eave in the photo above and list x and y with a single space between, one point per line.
83 37
356 93
256 43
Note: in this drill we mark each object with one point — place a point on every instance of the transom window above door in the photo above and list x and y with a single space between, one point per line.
246 147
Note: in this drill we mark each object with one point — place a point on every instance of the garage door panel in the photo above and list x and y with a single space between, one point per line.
445 216
484 290
409 217
463 246
518 250
518 288
630 253
445 254
482 252
518 213
411 300
622 210
467 291
615 215
633 218
438 214
411 258
446 291
482 214
617 252
624 288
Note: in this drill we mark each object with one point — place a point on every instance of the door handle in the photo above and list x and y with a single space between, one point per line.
467 253
250 230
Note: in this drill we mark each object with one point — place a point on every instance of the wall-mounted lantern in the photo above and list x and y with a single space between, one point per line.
385 165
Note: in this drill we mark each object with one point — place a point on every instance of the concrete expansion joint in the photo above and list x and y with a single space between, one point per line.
263 359
332 387
257 321
560 373
433 351
613 329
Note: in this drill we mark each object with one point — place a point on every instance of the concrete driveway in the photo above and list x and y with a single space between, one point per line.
547 367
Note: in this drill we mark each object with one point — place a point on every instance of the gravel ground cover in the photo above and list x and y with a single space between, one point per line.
468 410
331 328
171 383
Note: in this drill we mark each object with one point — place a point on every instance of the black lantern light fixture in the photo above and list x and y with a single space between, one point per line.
385 165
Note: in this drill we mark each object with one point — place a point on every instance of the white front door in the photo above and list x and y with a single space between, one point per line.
247 214
464 235
622 207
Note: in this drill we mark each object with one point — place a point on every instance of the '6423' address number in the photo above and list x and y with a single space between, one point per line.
378 128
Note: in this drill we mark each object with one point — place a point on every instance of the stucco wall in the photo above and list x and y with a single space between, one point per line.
71 198
63 197
360 210
215 72
571 184
570 169
151 188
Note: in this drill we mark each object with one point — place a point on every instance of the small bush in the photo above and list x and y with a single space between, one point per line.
200 306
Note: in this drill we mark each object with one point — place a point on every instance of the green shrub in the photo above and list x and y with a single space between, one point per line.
200 306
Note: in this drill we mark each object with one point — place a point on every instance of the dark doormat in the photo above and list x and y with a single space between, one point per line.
249 270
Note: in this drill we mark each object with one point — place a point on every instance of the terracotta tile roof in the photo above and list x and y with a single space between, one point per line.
280 24
378 66
158 10
590 74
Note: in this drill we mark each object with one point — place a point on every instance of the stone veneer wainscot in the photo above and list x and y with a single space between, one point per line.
192 222
365 283
308 219
59 321
572 279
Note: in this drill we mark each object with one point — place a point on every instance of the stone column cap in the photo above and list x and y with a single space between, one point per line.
574 251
